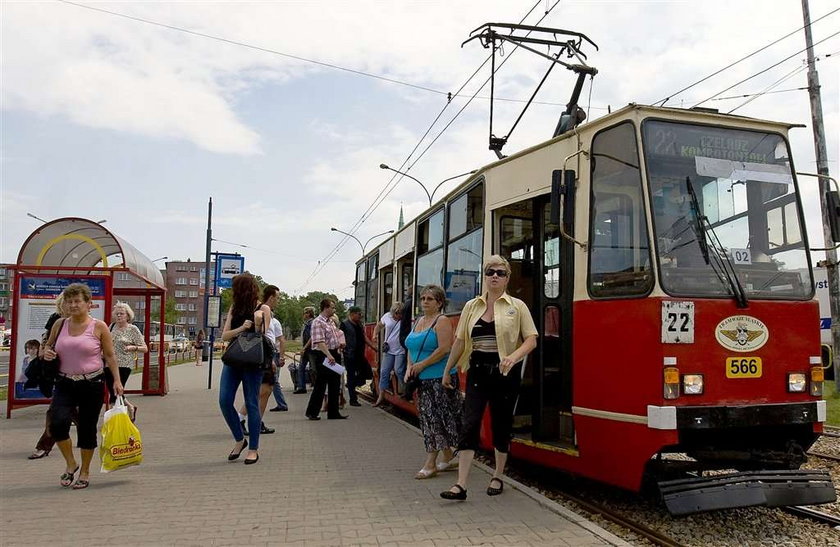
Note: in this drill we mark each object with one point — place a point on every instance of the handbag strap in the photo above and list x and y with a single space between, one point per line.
428 331
60 323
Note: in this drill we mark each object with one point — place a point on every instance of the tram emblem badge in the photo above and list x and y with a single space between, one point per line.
741 333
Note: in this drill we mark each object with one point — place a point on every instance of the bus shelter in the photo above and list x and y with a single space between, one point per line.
77 250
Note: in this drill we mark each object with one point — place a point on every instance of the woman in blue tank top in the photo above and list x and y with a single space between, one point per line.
439 408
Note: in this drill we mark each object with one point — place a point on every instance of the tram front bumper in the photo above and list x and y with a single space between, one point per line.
726 417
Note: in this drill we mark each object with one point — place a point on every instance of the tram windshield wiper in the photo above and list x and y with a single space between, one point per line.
722 264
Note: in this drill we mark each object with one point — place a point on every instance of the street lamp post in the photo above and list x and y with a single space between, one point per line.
357 239
432 195
36 218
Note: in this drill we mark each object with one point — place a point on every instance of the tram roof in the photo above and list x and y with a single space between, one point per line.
705 115
72 244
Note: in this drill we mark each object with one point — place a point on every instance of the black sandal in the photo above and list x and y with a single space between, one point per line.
495 491
460 495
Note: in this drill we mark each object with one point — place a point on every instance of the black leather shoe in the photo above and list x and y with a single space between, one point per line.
337 417
265 430
313 417
355 403
298 391
460 495
278 409
244 429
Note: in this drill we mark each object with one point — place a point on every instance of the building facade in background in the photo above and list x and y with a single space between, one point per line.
7 280
185 284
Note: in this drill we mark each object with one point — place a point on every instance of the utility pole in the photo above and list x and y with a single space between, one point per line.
823 181
207 292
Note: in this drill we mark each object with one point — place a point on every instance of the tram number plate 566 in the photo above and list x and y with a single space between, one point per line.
743 367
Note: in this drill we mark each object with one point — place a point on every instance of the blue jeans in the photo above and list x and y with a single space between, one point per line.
389 363
228 385
278 391
300 384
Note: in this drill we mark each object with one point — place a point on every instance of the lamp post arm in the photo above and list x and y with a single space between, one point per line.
447 180
352 236
428 195
374 237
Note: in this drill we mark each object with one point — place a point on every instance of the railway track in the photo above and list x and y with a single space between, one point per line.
813 514
824 456
557 493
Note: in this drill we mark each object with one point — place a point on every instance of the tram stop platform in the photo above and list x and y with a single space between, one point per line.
327 482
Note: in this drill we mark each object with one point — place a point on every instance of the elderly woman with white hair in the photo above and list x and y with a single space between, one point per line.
128 343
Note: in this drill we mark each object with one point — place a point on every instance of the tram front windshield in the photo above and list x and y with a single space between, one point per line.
725 202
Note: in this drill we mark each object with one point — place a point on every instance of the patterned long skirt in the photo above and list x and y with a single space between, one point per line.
440 413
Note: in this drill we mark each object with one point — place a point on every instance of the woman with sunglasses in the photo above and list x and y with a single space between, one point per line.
495 333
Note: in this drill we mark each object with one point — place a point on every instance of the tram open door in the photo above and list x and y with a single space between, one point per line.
542 276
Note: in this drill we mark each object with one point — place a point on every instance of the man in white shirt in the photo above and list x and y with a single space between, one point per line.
275 333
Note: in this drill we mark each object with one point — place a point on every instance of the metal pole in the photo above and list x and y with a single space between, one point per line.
822 169
207 291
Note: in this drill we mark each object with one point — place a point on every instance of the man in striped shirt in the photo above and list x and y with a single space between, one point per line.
324 343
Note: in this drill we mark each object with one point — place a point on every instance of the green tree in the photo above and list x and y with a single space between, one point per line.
170 314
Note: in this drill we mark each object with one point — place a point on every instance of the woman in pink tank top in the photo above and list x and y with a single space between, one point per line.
80 341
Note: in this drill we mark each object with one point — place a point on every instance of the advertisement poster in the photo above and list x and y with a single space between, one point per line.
228 267
37 302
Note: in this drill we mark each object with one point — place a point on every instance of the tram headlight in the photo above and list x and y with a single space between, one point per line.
693 384
797 382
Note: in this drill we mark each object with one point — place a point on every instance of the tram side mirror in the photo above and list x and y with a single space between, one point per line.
561 181
832 203
556 185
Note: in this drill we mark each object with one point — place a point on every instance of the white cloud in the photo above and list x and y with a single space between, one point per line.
132 79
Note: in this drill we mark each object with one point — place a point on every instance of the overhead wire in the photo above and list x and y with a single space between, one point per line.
396 178
727 67
778 82
300 58
760 72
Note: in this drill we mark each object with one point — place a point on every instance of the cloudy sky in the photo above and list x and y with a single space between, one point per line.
140 115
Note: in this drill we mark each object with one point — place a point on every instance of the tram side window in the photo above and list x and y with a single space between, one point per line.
619 260
516 243
430 252
360 285
372 292
462 279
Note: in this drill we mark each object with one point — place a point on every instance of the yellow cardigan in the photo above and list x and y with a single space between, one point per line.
512 320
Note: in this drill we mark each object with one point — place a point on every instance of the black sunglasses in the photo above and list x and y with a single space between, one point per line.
490 271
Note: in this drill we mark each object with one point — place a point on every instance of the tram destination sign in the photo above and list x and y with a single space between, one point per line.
689 141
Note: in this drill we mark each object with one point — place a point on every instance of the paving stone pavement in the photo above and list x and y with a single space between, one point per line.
339 482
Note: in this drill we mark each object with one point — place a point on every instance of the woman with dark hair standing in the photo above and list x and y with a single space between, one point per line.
245 314
495 333
81 346
439 408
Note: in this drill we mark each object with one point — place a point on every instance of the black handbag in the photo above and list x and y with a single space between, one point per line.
246 351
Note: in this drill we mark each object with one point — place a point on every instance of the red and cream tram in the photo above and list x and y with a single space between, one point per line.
663 255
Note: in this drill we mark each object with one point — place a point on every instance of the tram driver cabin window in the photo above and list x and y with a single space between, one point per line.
619 260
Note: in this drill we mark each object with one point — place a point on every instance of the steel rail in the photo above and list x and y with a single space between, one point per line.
813 514
594 508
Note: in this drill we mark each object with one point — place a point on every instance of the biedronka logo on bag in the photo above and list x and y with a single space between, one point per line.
741 333
125 451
